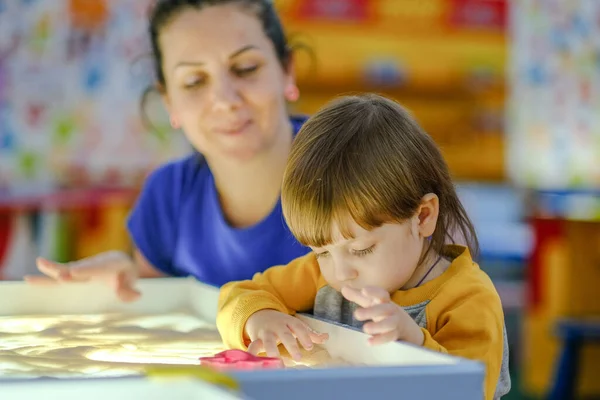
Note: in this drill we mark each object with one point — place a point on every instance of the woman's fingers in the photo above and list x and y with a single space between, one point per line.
124 288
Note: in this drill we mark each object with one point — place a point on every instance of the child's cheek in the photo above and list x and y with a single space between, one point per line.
329 276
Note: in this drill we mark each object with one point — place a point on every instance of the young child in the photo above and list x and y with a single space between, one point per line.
368 190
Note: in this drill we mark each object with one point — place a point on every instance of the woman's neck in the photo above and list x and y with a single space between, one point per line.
248 191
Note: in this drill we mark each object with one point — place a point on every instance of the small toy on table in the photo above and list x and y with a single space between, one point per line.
238 359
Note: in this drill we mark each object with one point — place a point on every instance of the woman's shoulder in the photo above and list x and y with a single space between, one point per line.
297 121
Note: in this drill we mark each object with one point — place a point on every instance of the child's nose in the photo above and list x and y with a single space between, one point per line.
344 272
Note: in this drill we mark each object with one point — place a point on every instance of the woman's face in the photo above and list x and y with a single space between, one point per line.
224 83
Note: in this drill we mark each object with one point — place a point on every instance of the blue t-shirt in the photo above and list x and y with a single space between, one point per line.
179 226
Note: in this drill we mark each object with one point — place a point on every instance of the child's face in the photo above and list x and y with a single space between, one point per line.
384 257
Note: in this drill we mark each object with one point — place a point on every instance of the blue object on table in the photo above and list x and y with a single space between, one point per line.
574 334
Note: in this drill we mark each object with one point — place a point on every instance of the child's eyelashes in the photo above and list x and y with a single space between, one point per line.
363 252
358 253
322 254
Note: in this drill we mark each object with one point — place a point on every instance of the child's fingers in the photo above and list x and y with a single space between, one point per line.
376 312
382 338
255 347
269 341
302 333
356 296
306 335
317 337
268 345
376 294
291 344
366 297
384 326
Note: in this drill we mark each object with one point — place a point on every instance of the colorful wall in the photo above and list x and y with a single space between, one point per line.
554 147
554 132
443 59
71 76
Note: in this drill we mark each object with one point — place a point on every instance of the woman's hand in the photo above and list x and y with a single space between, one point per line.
114 268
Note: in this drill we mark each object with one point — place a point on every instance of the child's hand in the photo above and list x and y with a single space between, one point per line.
389 322
267 328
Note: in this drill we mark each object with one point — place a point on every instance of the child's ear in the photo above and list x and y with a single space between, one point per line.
427 214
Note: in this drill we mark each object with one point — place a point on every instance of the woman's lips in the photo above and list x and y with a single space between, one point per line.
234 129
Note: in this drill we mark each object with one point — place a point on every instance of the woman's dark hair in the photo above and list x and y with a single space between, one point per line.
164 11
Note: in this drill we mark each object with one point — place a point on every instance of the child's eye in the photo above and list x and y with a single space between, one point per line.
363 252
323 254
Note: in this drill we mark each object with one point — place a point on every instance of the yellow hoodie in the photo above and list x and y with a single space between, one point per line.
459 311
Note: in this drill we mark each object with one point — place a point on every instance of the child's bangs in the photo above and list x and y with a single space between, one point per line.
313 218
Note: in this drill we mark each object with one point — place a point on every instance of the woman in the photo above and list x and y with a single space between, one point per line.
224 70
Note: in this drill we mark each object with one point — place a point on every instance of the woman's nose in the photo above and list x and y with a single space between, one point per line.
225 94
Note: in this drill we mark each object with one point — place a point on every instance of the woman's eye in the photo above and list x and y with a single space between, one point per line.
363 252
246 71
193 82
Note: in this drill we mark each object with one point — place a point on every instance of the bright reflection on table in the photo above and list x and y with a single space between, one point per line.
109 345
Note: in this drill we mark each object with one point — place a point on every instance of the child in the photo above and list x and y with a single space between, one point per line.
370 193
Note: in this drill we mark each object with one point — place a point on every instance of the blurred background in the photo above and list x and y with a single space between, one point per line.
510 90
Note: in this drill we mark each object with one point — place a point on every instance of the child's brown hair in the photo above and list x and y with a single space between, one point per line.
366 158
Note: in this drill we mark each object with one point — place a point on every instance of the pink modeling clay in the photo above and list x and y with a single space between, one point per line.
238 359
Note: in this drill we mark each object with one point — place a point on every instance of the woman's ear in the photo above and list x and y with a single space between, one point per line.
290 90
427 214
162 91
